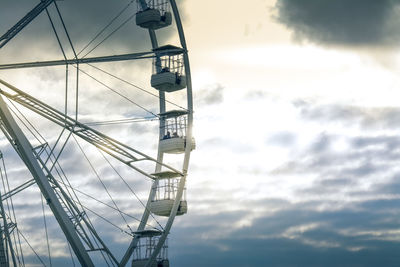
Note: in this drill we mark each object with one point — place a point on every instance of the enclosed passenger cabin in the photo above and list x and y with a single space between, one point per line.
165 195
173 129
153 14
148 240
168 69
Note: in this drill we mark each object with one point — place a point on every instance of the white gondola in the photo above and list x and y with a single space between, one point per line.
168 69
148 239
166 190
163 207
173 130
154 14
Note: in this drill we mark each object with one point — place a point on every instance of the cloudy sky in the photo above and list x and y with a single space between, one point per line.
296 125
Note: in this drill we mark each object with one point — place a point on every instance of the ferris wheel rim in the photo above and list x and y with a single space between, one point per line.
160 155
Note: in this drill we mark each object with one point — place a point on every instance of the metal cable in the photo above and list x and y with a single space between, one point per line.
120 121
30 124
133 192
65 29
102 183
136 86
11 239
49 154
44 140
118 93
26 240
109 35
109 206
108 25
55 32
108 221
13 215
70 253
76 57
59 152
58 166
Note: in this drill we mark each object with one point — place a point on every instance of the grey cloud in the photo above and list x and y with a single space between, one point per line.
282 139
321 144
347 230
255 94
368 159
342 23
354 236
368 118
214 94
328 186
388 187
227 144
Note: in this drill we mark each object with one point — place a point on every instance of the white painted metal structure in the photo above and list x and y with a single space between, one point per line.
167 194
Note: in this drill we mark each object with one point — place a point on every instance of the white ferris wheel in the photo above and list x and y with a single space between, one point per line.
77 226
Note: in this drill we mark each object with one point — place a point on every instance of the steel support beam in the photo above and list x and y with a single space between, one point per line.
123 57
25 150
11 33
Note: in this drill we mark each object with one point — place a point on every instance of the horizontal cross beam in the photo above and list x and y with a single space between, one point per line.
122 57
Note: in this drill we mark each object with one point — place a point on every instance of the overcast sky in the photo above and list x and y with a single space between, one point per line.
296 126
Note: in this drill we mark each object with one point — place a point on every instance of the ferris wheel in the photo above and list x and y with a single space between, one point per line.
139 185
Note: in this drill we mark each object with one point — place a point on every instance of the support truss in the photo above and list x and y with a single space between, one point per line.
26 152
118 150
